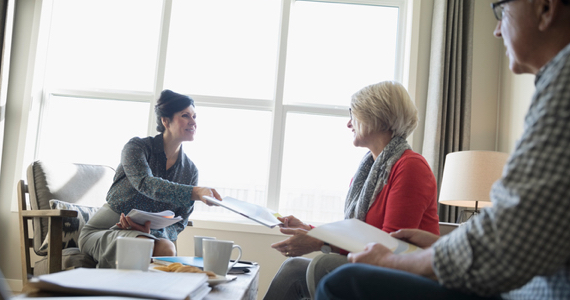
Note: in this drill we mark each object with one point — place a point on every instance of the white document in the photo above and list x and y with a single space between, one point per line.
113 282
353 235
157 220
251 211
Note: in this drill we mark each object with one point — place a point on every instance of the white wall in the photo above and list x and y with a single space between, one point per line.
14 137
491 81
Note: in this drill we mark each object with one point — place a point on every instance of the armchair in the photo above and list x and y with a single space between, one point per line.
57 201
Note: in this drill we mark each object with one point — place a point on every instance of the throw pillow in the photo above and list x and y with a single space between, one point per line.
71 226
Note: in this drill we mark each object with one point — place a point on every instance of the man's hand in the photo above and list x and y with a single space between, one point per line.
418 262
373 254
420 238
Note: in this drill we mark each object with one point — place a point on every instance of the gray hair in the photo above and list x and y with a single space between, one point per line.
384 106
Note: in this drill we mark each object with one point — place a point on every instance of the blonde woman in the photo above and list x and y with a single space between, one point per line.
393 188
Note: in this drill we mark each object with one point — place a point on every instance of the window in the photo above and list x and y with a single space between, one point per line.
272 81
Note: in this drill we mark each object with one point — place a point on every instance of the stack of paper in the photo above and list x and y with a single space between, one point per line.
113 282
157 220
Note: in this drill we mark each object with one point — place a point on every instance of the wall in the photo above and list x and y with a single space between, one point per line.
14 137
489 73
487 58
516 92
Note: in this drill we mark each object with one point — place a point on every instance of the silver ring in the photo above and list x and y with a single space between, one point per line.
128 228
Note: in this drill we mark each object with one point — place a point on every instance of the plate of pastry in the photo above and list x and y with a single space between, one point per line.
213 279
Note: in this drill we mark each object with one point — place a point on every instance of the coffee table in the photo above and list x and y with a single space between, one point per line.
244 287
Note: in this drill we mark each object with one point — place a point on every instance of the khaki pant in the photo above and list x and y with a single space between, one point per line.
98 240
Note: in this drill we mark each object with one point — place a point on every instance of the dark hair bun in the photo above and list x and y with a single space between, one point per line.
168 104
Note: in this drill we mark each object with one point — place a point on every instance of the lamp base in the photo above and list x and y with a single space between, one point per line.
466 214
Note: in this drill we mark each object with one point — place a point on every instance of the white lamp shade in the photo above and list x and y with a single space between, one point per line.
468 177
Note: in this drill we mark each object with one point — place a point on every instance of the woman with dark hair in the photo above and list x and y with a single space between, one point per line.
154 175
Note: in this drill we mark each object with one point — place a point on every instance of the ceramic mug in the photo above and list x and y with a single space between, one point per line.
217 256
198 244
134 253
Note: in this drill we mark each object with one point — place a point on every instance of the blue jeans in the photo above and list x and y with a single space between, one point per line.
362 281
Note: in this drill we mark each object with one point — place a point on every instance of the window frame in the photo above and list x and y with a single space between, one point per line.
276 106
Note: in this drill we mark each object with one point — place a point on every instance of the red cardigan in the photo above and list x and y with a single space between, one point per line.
409 199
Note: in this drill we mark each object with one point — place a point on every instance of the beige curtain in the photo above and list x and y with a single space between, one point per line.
448 109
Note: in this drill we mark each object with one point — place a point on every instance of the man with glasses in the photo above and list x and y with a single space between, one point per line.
520 247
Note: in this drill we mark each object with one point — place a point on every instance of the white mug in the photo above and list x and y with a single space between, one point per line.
217 256
198 244
134 253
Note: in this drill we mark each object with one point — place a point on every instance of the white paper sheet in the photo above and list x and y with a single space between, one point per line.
353 235
251 211
157 220
154 285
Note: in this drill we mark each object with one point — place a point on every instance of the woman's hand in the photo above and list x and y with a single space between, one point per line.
420 238
126 223
198 193
298 244
292 222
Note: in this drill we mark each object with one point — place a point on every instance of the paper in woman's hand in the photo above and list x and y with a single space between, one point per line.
260 214
157 220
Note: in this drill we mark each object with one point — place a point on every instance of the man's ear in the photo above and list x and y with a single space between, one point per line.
548 11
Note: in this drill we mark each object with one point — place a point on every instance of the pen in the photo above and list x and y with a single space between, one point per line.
245 262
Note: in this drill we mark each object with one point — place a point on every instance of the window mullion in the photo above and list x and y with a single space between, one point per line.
401 41
279 117
160 61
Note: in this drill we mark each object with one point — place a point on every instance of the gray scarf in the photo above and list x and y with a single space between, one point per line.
371 177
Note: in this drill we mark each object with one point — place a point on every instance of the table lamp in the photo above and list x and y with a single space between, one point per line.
468 177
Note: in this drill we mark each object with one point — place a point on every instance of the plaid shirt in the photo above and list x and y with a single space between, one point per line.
521 246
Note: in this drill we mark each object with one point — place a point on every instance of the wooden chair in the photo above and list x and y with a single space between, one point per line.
57 200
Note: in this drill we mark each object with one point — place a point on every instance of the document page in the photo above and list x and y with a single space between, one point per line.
353 235
157 220
260 214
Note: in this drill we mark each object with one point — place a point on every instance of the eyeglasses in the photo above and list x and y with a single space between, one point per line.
499 8
350 113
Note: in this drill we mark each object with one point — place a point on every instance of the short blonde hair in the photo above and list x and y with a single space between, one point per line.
384 106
